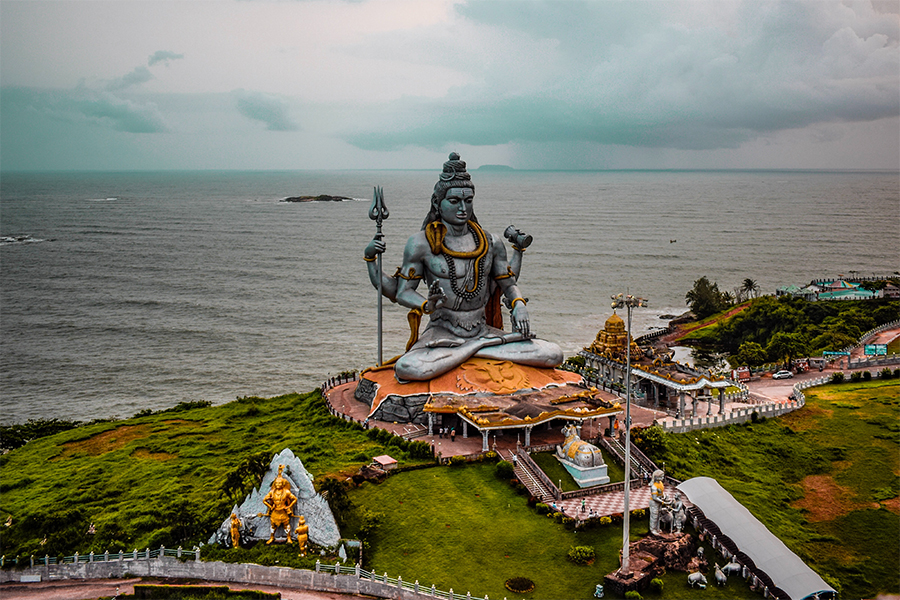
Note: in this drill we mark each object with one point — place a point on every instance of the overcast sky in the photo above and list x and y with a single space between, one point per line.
399 83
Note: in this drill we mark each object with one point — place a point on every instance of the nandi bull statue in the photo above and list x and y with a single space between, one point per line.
582 460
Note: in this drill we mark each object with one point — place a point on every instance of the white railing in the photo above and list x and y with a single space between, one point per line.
107 556
163 560
770 409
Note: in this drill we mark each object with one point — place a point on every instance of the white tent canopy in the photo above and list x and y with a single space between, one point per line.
769 553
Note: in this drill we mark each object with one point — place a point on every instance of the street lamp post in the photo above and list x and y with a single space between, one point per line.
629 302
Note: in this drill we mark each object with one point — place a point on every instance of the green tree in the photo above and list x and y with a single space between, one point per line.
335 492
246 476
705 299
786 346
750 287
751 354
831 341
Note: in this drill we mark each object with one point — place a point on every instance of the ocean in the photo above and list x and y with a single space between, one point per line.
131 291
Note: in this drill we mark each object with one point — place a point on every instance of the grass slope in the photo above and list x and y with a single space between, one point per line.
464 528
157 479
824 479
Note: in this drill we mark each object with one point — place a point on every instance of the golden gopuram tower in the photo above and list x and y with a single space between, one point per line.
612 339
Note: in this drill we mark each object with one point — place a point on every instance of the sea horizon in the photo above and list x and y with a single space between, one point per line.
156 287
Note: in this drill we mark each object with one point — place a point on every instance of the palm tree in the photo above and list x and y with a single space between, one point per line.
750 286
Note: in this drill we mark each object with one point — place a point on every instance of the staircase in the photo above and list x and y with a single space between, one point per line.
528 479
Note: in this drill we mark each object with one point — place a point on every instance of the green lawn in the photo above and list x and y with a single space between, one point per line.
462 527
824 479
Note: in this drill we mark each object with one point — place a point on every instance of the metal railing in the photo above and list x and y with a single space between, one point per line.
107 556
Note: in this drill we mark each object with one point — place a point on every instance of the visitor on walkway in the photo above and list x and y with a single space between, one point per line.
453 434
582 505
441 432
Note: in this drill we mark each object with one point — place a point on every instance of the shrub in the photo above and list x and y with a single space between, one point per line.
504 470
558 517
519 585
867 376
616 518
886 373
491 456
656 585
856 377
605 521
639 513
582 555
633 595
837 377
541 508
16 436
457 461
569 523
897 375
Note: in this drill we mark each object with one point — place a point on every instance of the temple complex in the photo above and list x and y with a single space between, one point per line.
659 381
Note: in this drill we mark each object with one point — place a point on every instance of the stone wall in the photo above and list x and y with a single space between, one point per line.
218 572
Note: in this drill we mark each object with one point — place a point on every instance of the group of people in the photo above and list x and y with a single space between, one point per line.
450 432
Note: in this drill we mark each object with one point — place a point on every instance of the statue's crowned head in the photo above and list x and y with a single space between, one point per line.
280 480
454 175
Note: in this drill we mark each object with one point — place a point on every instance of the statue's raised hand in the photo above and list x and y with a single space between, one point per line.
436 298
520 320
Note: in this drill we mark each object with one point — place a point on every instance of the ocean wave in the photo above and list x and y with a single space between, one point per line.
112 199
8 240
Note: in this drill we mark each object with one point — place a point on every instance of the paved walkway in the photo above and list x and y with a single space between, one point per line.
612 503
75 589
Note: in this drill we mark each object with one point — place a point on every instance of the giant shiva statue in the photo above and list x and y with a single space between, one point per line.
462 264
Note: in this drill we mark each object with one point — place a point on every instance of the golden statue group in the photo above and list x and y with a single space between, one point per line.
284 508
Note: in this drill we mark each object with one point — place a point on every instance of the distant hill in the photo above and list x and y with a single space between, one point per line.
495 168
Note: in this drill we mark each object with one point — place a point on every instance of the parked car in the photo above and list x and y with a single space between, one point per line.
782 375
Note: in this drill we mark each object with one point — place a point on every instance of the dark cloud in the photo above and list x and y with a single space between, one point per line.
120 114
162 56
268 109
689 75
98 108
138 76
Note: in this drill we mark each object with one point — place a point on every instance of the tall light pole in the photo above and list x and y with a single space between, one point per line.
629 302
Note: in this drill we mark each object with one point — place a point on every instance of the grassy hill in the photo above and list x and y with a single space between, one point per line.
157 479
824 479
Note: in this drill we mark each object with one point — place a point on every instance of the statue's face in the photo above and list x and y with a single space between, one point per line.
456 207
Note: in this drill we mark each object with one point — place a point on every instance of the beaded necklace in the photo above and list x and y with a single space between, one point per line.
480 253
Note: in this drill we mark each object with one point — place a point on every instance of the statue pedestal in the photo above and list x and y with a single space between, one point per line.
644 567
587 476
652 556
486 394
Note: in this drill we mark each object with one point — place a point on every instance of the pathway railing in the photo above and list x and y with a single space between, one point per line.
337 578
771 409
91 557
